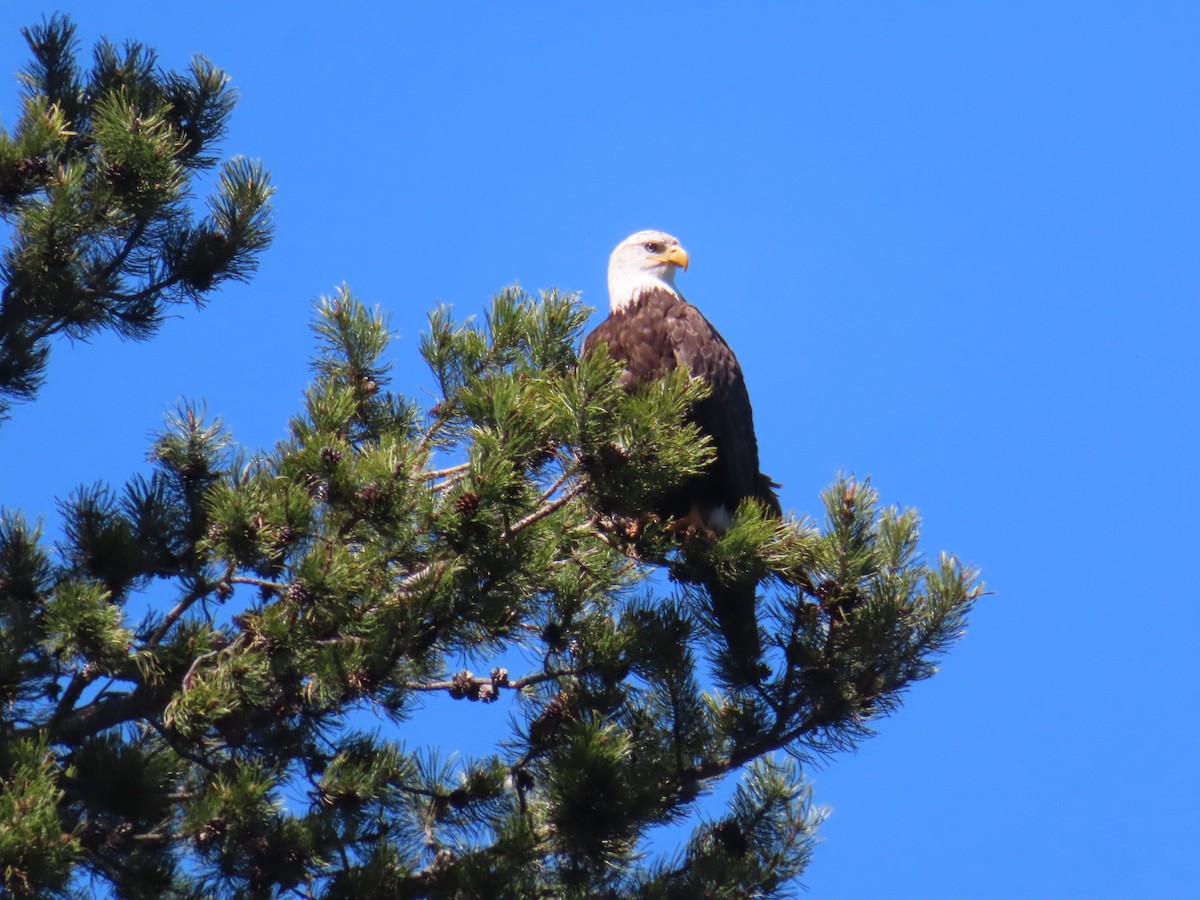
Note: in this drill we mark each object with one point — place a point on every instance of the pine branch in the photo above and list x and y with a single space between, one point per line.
94 183
108 712
274 587
197 593
435 474
74 690
473 687
547 508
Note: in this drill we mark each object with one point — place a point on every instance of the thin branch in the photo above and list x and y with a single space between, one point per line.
201 590
515 684
130 242
155 837
178 747
548 508
115 709
442 417
148 291
434 569
79 681
235 644
434 474
273 586
553 489
450 482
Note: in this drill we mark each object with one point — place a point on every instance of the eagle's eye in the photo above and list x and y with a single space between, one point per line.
653 247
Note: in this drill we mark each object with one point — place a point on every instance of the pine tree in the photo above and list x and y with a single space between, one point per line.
264 730
94 182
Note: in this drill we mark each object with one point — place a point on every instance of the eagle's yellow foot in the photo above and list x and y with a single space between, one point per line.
692 526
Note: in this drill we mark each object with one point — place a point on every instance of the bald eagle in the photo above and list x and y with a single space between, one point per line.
653 329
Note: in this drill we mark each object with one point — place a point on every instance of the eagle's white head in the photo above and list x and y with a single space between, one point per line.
643 262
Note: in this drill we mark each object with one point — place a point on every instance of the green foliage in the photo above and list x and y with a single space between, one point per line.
26 582
35 851
80 622
95 181
766 840
350 568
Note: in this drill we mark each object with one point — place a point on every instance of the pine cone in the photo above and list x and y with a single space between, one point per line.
122 177
463 685
556 712
210 831
730 838
297 592
467 504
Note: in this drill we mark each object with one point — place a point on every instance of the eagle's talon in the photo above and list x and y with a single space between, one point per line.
690 530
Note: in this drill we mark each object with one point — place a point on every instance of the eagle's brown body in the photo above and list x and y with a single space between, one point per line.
660 332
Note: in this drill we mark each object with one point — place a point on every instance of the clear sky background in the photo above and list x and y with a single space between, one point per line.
955 246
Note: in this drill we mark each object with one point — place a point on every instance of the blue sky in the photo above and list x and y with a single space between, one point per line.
955 246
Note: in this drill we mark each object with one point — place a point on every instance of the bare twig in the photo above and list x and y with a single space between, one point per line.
553 489
430 569
135 235
434 474
450 482
273 586
547 508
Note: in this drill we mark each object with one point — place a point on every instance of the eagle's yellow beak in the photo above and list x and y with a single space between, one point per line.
676 255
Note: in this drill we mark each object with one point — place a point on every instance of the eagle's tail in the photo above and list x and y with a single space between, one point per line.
765 494
734 608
